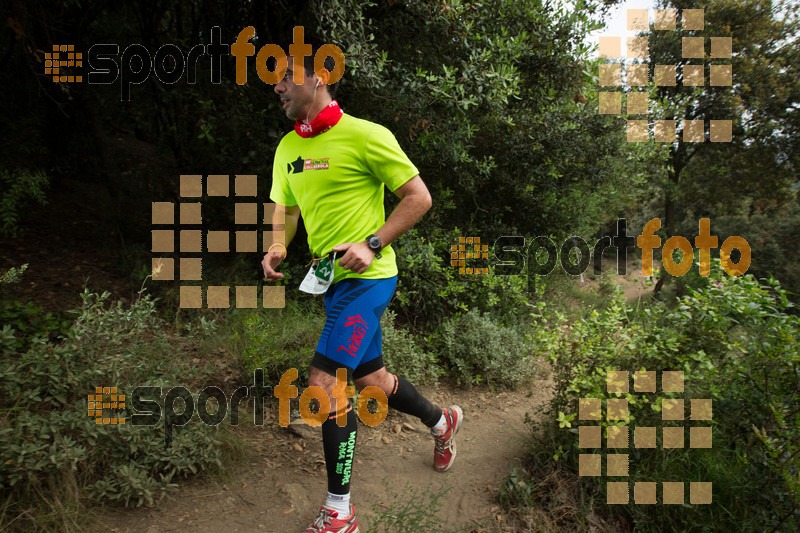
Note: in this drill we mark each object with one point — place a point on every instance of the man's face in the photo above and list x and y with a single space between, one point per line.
296 99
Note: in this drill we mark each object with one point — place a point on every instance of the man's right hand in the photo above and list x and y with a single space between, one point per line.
270 263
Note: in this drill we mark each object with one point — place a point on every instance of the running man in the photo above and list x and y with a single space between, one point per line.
333 168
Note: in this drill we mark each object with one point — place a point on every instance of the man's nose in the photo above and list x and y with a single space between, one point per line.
279 88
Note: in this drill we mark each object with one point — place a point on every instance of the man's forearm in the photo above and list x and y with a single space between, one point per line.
407 213
285 221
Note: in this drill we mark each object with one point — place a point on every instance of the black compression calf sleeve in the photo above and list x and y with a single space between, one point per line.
339 445
406 398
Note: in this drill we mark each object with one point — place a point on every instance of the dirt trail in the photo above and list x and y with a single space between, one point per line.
282 483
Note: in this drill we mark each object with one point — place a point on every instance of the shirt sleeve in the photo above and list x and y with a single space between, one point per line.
386 160
281 193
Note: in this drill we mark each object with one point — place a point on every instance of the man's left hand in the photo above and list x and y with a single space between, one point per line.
358 257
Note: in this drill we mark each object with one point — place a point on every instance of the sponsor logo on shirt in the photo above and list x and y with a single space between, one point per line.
300 164
315 164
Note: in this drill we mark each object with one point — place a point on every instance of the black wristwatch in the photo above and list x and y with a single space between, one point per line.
375 244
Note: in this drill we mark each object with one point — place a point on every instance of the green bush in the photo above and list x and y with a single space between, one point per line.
429 289
29 324
53 457
608 283
480 350
737 343
515 491
278 339
403 356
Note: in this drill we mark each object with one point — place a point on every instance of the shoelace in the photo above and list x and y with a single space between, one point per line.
324 519
441 443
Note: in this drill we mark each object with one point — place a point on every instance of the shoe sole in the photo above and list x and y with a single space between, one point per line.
459 419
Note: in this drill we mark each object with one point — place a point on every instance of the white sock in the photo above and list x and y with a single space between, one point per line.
339 503
440 427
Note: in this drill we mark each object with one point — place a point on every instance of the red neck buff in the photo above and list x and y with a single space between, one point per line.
325 120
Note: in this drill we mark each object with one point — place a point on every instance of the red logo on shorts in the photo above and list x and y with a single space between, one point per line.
357 336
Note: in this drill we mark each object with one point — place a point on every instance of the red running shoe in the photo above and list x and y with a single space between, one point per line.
445 452
328 522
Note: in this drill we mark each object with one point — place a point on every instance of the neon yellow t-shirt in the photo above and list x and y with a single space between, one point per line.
337 179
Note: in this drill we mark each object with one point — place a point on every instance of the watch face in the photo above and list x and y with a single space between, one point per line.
374 242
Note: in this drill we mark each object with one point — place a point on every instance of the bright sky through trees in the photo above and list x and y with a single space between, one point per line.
617 20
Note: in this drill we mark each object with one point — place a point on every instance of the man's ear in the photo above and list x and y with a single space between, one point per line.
323 75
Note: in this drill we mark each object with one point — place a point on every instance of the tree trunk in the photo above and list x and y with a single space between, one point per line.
670 192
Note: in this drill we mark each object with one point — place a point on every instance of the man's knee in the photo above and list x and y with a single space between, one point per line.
320 378
381 378
328 383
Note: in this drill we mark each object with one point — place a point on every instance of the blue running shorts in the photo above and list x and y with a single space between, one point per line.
352 334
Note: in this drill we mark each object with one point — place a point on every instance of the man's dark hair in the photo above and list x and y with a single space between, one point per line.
330 63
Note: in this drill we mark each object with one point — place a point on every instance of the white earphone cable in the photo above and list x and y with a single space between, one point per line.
312 101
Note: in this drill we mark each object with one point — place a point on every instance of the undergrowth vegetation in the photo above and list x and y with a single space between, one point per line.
276 339
734 339
736 342
54 458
